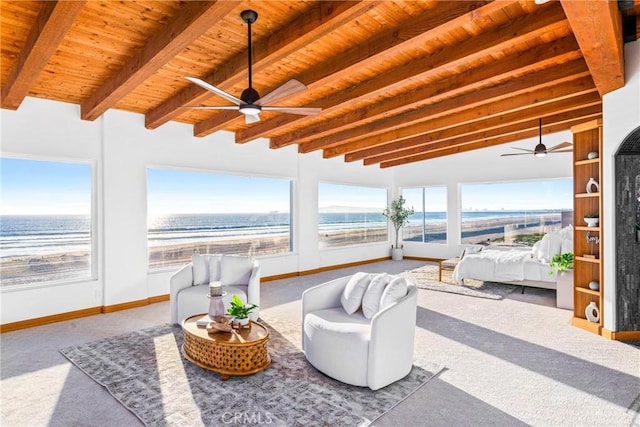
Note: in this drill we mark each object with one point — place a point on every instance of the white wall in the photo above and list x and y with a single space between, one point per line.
121 149
479 166
621 115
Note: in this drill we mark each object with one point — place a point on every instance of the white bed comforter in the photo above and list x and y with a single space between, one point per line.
501 266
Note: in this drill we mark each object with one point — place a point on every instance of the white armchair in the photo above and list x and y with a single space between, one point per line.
353 349
189 285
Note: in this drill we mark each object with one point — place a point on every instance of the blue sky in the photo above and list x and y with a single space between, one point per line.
173 191
33 187
41 187
533 195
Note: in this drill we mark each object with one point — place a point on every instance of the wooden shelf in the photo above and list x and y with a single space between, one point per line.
585 228
586 325
587 162
587 137
593 260
587 291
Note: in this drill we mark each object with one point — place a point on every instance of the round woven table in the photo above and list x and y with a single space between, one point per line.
240 352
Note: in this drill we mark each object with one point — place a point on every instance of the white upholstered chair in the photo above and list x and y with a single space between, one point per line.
369 352
189 285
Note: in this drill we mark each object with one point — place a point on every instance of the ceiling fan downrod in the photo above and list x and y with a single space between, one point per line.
249 95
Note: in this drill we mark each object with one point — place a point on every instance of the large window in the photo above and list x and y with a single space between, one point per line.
428 224
198 212
515 213
351 215
45 221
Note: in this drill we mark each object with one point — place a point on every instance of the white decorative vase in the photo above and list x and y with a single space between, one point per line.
216 305
592 312
396 254
592 222
592 155
242 323
594 286
591 184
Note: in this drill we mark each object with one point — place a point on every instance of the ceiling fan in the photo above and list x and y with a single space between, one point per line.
250 103
541 150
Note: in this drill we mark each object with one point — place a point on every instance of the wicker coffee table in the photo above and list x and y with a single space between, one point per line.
240 352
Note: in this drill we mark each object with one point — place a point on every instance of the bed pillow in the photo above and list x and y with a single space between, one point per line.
567 246
373 294
351 297
555 244
395 290
470 250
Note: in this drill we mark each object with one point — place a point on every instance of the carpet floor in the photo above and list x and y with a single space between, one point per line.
510 362
426 277
145 371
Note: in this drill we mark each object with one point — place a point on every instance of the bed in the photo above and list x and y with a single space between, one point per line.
513 266
516 266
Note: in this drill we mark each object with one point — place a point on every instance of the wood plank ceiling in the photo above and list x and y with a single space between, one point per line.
398 82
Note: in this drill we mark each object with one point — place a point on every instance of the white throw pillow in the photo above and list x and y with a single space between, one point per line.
353 291
567 232
567 246
373 294
235 270
395 290
200 269
214 267
535 250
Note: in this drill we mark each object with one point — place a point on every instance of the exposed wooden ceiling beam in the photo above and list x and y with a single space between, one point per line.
517 64
597 26
562 91
379 48
468 133
51 25
193 20
481 144
483 45
319 21
538 81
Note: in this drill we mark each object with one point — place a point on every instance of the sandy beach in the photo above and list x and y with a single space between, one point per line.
77 265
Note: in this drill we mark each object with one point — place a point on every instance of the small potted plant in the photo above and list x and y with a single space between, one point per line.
399 215
592 219
240 311
561 263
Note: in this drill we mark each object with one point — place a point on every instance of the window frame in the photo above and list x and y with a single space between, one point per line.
292 186
387 226
424 213
94 220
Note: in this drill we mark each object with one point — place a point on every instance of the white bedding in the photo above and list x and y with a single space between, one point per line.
510 266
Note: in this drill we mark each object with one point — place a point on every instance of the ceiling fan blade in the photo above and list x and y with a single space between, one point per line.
560 151
559 146
251 118
215 90
517 154
523 149
304 111
287 89
211 107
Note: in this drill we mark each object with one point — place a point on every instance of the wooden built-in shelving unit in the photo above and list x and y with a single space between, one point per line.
588 263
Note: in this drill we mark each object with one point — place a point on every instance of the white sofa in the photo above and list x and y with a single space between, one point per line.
368 352
189 286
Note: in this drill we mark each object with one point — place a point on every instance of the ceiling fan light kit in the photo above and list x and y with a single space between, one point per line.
250 104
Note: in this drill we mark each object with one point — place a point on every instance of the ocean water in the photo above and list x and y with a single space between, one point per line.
45 234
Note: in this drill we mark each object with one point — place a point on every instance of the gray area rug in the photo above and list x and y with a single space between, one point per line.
426 277
144 370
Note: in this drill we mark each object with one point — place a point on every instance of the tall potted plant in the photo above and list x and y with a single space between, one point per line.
399 215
